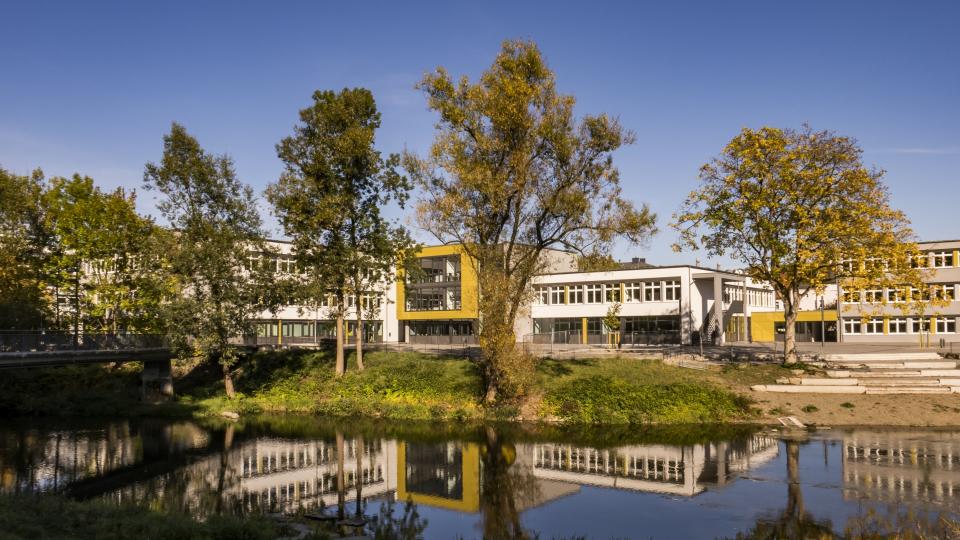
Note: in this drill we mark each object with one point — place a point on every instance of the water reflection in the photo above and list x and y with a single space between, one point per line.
493 483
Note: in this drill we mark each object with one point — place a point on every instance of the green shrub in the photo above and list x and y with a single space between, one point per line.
601 399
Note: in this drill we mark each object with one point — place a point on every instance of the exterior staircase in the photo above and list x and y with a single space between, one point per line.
876 373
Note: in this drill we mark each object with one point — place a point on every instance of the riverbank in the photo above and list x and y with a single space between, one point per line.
415 386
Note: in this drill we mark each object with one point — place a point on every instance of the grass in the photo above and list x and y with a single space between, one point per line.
408 386
49 516
809 408
847 405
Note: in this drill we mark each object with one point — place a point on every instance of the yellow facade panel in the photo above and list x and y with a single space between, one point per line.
468 288
763 324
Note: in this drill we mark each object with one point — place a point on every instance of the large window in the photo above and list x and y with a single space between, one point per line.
558 295
873 296
919 325
897 325
594 293
671 290
595 326
896 294
439 269
576 294
631 292
612 292
944 292
651 324
542 295
852 326
873 326
941 259
652 291
433 298
946 325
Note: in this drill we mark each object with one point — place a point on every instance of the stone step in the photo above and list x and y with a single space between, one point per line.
940 372
876 373
806 381
899 382
810 389
896 357
942 364
907 389
949 382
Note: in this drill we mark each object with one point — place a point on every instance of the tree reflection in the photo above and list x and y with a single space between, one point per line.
794 521
504 488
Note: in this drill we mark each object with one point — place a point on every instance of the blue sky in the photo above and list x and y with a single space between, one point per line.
92 87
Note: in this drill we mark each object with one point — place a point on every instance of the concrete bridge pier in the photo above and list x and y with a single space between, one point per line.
156 380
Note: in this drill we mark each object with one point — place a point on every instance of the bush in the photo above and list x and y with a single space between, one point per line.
602 399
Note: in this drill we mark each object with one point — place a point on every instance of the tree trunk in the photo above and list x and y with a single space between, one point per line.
790 333
341 366
490 396
358 337
341 479
228 382
794 494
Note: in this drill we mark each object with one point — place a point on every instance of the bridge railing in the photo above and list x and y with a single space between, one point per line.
22 341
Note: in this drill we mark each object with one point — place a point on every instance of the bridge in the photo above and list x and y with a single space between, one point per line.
39 349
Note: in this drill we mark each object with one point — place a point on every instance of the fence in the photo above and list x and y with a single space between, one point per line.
27 341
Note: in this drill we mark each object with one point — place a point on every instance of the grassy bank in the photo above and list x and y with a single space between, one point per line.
409 386
424 387
47 516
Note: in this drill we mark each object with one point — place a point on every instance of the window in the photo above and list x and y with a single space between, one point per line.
941 259
542 295
919 325
594 293
873 296
631 291
671 290
558 295
873 326
651 291
943 292
921 294
576 294
852 326
595 326
896 295
918 261
897 325
946 325
433 298
851 297
612 292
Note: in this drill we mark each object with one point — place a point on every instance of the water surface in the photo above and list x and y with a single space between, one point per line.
501 481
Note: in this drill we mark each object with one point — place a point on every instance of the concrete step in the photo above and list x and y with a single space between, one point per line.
940 373
806 381
907 389
894 356
949 382
942 364
907 382
810 389
879 373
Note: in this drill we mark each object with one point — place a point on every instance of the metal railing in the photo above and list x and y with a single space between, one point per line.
27 341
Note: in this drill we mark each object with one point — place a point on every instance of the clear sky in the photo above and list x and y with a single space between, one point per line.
91 87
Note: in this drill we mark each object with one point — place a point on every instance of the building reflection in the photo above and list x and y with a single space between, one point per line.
903 466
674 470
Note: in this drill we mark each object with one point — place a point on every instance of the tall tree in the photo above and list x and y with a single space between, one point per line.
216 223
24 247
103 253
329 200
511 174
799 210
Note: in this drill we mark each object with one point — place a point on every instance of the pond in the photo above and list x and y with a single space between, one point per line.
500 481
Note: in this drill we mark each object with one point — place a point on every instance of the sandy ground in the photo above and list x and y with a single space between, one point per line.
867 410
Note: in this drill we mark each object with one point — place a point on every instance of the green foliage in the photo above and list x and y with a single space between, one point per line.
513 173
606 400
847 405
48 517
105 256
809 408
329 201
612 319
216 224
791 206
24 247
